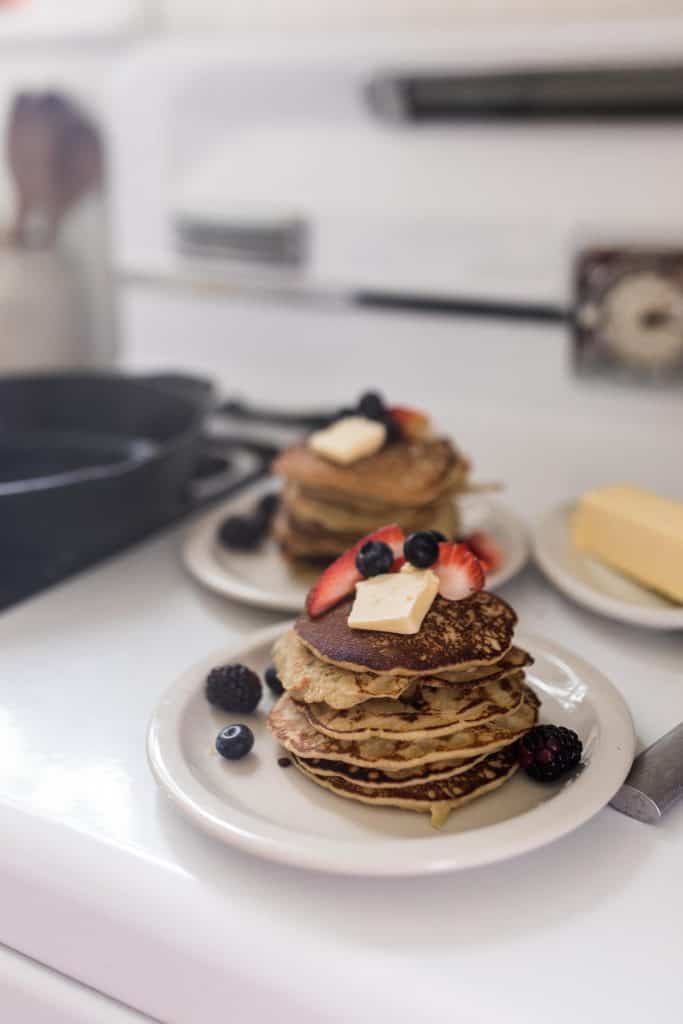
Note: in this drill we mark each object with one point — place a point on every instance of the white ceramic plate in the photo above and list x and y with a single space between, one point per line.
278 814
595 585
264 578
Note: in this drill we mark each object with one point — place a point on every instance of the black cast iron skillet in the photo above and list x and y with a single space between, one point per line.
91 462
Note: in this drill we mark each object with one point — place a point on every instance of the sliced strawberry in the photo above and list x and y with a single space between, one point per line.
412 422
340 578
486 550
459 571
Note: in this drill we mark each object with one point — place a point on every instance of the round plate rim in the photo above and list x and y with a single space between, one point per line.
583 593
196 554
589 792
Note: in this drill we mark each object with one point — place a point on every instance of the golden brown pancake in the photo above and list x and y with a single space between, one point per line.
407 472
312 513
436 797
433 711
454 634
311 680
302 538
288 723
372 778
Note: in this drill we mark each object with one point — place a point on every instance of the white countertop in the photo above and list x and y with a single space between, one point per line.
101 879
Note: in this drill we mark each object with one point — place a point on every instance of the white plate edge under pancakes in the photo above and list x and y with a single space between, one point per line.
237 802
592 584
263 578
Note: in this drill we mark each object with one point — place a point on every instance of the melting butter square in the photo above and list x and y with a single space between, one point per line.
349 439
394 602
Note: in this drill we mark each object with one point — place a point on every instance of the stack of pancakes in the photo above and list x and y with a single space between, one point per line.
326 507
426 722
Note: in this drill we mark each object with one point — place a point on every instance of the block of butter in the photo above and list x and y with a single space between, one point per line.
349 439
636 532
394 602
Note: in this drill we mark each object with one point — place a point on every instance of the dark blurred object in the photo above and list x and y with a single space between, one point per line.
90 463
54 155
552 93
282 242
629 312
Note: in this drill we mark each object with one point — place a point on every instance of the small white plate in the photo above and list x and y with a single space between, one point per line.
595 585
276 813
264 578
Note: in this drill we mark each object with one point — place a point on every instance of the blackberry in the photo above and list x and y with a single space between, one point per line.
421 549
372 406
273 681
548 751
242 533
234 742
374 557
267 507
233 688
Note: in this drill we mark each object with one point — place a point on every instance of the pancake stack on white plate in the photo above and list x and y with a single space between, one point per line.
426 721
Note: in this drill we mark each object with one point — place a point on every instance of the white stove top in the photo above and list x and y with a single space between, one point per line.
102 880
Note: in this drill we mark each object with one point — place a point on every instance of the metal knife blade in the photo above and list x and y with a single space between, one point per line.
655 781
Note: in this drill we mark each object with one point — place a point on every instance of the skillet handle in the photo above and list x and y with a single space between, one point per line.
226 466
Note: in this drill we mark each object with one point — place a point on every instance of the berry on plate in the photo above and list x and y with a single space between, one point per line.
273 681
548 751
459 571
233 688
234 742
340 578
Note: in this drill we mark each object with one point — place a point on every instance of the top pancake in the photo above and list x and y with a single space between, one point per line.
409 472
454 634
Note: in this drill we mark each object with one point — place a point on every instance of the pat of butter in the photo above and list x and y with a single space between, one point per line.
349 439
395 602
636 532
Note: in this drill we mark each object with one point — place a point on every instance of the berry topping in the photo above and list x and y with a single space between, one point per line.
234 742
245 532
548 751
273 681
412 422
233 688
267 506
241 533
340 578
374 558
372 406
459 572
486 550
421 549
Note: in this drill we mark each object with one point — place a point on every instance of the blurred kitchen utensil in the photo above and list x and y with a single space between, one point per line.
655 781
54 156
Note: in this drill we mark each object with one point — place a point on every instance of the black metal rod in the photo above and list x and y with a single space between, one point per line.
461 306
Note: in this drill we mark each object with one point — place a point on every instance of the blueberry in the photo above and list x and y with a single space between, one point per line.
234 742
233 688
374 557
438 536
273 681
242 533
421 549
372 406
